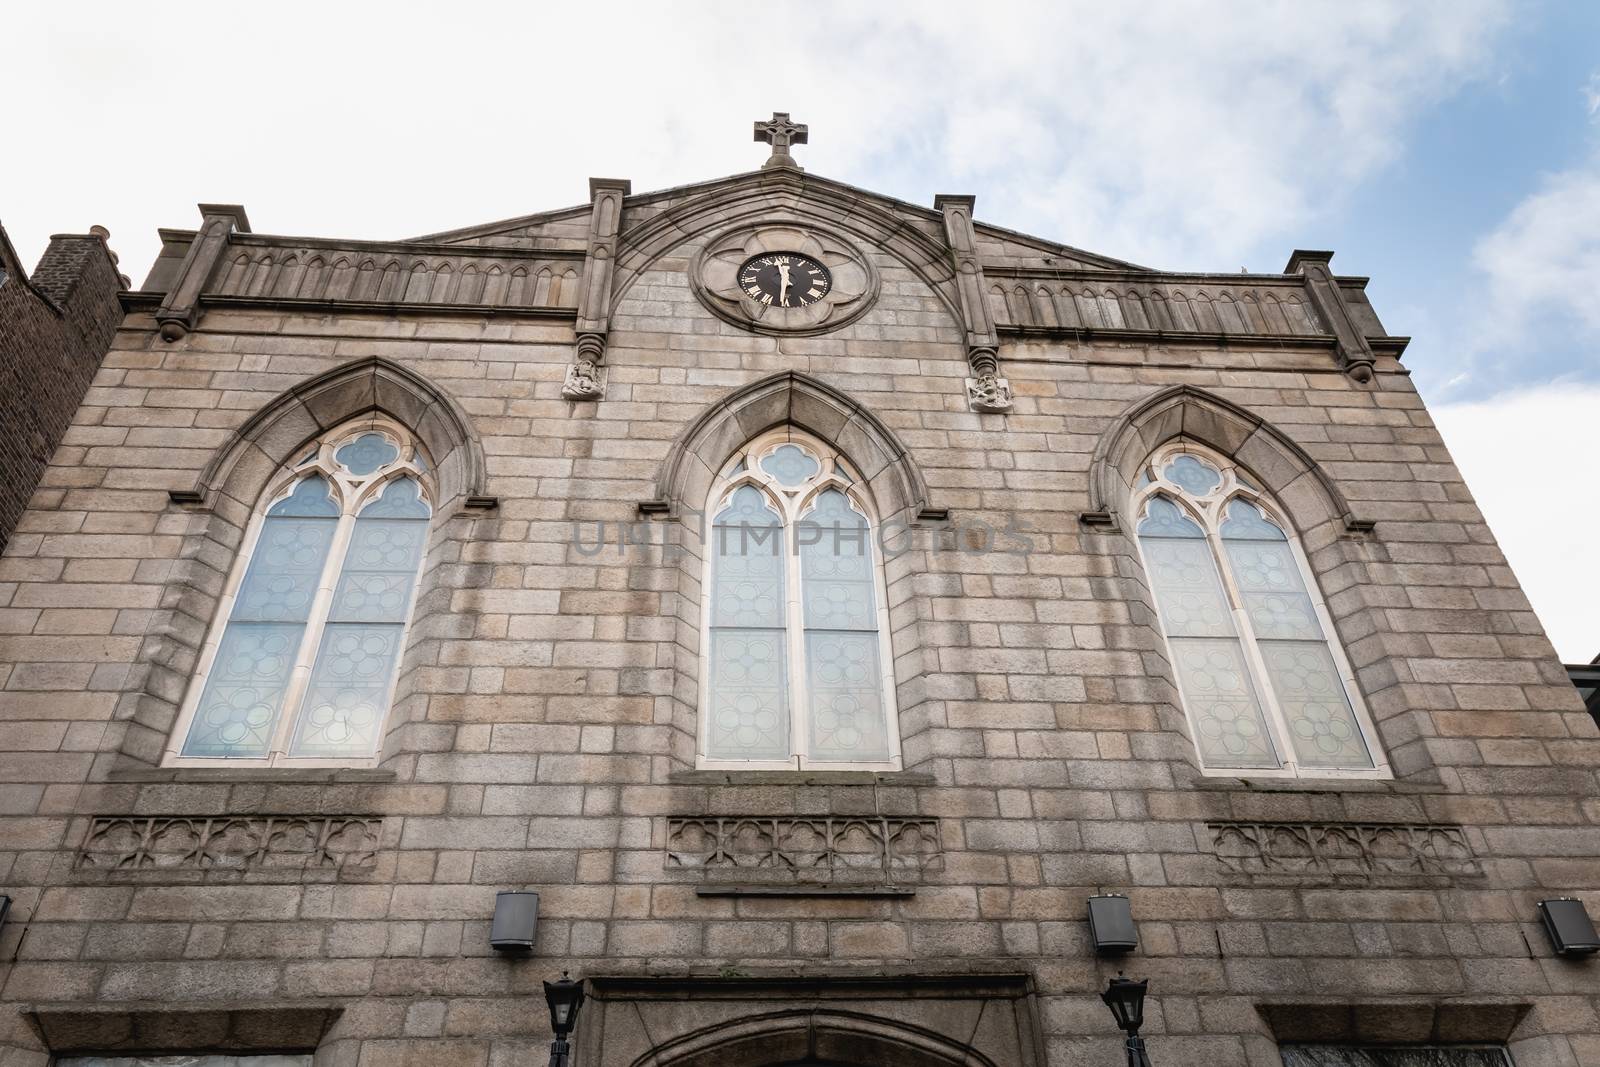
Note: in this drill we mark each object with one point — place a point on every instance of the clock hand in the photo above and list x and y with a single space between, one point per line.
783 288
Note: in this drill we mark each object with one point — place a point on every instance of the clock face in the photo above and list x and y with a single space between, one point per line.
784 279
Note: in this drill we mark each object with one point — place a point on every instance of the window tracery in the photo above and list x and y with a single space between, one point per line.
1263 680
301 662
798 671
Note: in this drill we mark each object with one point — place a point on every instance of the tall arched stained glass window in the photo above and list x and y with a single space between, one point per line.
301 663
1265 685
798 671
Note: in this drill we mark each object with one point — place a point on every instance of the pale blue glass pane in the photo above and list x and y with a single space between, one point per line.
380 571
401 499
1188 590
748 587
244 691
845 686
284 571
747 507
367 453
1229 728
349 691
1322 727
748 717
1273 592
836 569
367 596
791 465
1192 474
311 499
386 545
748 553
1163 518
1245 522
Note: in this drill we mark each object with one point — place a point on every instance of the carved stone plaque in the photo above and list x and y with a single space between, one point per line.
1348 851
715 275
255 844
805 849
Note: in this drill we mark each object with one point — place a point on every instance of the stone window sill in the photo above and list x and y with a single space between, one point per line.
715 777
764 890
1390 786
236 775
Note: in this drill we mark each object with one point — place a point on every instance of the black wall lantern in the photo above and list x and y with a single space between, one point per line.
565 999
1125 998
1571 930
1111 925
516 919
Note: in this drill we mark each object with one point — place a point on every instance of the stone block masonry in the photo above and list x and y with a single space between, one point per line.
55 328
545 727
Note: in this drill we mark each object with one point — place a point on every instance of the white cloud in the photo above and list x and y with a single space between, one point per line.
1165 132
1527 456
1544 258
1532 308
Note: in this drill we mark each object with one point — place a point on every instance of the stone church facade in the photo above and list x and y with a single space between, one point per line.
815 598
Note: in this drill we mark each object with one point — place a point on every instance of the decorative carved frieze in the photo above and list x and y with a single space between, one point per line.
1333 850
1089 300
275 269
805 849
284 843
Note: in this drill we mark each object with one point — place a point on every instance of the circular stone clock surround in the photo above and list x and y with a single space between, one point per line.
716 273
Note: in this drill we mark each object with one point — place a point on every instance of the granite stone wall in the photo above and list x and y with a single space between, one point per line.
543 732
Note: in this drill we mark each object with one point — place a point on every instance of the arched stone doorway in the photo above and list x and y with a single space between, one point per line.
844 1021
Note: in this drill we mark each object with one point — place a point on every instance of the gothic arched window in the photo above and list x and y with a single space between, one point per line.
798 671
302 659
1264 683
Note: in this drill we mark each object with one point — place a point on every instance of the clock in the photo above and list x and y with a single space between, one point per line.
784 279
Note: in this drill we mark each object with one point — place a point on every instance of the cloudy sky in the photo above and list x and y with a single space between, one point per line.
1450 150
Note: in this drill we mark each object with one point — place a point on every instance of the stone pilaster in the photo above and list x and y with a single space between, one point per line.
1355 353
180 311
586 376
986 390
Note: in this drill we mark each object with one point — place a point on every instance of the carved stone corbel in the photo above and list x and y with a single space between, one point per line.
1356 357
180 310
986 390
586 377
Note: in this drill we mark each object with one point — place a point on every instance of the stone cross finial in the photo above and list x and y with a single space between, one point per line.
780 133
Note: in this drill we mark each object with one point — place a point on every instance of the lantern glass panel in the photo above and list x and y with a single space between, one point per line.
1125 998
